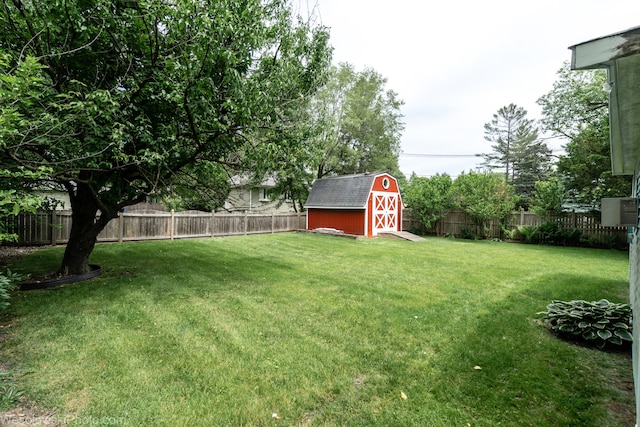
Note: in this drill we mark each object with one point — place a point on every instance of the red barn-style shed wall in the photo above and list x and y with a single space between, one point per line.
349 221
362 204
379 187
378 184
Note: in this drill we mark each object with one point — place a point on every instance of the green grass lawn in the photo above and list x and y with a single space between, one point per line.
321 331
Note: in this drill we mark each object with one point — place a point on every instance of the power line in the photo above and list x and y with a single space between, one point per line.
439 155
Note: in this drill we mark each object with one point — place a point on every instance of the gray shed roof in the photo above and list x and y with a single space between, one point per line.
346 191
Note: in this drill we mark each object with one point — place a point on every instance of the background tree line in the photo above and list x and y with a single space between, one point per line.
576 110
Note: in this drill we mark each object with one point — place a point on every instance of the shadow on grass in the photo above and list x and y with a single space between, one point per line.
159 268
508 369
464 354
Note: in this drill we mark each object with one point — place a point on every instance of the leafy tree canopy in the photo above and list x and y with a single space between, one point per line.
586 167
361 124
353 124
117 98
428 198
549 197
202 186
576 101
483 196
576 109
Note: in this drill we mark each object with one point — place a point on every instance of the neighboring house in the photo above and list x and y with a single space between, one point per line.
59 199
620 54
246 196
364 204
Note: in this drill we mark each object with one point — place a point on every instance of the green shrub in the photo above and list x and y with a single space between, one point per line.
608 242
7 284
572 237
512 234
418 231
598 322
468 233
529 232
549 233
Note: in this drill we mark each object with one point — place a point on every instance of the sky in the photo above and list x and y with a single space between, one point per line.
456 63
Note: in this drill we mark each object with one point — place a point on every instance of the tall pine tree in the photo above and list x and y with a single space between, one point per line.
517 150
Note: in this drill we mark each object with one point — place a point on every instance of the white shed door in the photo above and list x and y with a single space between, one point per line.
385 212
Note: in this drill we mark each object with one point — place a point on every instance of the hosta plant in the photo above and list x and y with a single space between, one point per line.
598 323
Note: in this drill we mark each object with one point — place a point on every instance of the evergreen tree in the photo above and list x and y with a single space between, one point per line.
533 164
518 150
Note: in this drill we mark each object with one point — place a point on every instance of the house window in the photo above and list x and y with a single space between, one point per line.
264 194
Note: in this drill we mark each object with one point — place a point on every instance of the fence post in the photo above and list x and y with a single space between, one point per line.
53 227
273 221
171 224
246 222
120 227
212 222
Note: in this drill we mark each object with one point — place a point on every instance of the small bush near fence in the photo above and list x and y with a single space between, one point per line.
568 229
550 233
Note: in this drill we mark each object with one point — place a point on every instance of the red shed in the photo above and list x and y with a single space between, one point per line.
363 204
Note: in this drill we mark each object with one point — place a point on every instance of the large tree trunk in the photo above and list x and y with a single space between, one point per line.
84 231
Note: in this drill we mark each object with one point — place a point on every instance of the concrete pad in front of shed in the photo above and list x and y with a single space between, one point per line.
329 232
403 235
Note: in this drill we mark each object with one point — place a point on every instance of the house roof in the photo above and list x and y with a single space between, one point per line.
345 191
247 181
619 54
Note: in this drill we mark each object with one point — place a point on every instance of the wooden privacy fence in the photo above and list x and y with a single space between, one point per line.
456 221
53 228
